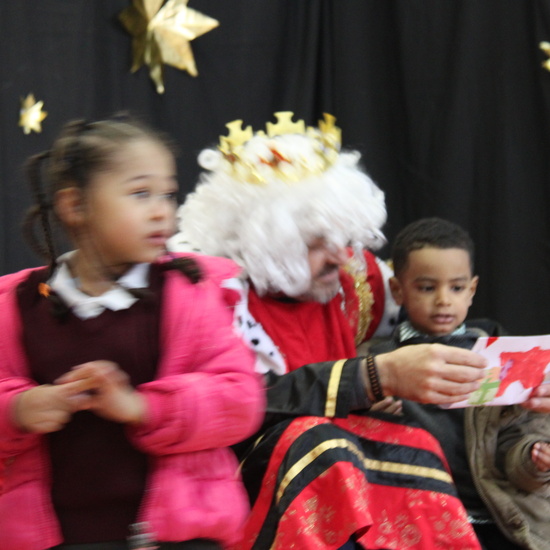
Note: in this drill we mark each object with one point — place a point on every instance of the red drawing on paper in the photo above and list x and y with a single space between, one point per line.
526 367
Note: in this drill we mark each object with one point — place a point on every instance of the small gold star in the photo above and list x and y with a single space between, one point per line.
31 115
162 35
545 47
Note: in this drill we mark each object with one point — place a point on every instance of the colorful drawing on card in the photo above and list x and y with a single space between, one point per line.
516 365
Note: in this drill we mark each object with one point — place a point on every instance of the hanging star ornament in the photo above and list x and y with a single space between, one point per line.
162 33
31 115
545 47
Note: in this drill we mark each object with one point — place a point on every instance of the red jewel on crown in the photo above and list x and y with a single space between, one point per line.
320 151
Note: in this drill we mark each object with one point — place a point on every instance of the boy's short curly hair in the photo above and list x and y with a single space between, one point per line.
429 233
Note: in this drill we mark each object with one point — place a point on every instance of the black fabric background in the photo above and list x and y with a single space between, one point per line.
446 100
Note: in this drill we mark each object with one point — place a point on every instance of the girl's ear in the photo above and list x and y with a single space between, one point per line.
396 292
69 206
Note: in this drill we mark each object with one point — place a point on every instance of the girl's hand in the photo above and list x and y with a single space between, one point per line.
540 455
109 392
47 408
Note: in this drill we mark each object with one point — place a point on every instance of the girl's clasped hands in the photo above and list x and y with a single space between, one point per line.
98 386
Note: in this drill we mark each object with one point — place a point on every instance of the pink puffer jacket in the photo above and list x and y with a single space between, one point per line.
206 398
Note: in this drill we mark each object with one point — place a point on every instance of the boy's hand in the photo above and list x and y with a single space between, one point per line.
430 373
109 392
388 405
540 455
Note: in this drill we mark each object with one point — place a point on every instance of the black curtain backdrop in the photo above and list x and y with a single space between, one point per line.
446 100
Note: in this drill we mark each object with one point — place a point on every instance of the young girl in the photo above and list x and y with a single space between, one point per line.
121 381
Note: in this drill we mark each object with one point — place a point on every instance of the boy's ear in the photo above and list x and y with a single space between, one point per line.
69 206
396 292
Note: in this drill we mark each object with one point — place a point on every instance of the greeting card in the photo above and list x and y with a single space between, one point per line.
516 365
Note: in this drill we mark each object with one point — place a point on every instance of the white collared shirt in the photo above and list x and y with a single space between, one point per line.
406 331
85 306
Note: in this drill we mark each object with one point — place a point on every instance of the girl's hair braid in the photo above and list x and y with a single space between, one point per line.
187 266
39 211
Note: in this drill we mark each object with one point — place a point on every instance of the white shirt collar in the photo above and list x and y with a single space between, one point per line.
87 307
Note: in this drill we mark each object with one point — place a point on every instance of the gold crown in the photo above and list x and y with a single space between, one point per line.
274 161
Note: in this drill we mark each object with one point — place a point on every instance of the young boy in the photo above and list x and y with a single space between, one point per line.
499 456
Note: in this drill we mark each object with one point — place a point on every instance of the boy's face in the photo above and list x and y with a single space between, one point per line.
436 288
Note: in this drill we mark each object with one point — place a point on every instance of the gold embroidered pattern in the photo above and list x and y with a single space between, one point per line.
333 385
368 463
356 269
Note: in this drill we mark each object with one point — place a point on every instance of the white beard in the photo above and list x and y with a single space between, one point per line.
322 294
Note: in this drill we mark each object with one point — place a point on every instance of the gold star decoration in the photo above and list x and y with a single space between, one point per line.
31 114
545 47
162 35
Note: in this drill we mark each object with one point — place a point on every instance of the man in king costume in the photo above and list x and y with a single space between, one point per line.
299 216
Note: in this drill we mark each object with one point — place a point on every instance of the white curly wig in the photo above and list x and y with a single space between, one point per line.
265 227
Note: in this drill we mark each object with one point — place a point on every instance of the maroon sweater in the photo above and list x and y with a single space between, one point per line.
97 475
